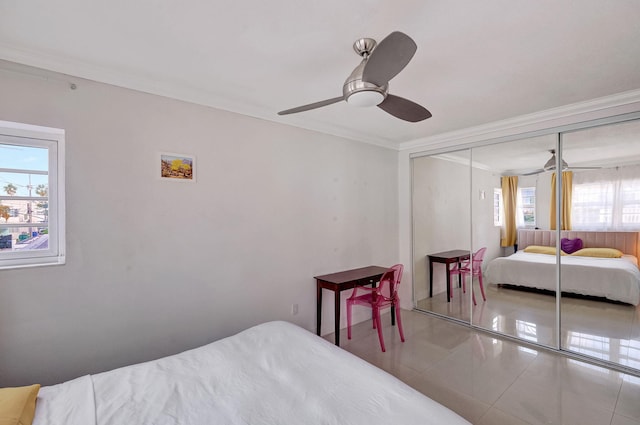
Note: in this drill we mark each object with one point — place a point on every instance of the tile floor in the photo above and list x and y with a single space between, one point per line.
493 381
607 331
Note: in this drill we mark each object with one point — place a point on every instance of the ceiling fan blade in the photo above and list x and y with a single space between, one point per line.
533 173
311 106
404 109
389 57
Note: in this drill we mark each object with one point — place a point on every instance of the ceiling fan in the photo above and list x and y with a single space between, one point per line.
550 165
368 84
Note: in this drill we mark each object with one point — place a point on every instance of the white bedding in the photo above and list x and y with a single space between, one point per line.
617 279
274 373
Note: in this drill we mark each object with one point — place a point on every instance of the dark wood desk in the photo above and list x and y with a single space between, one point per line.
338 282
446 257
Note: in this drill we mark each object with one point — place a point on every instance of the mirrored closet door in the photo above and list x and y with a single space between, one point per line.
441 233
510 203
600 282
505 206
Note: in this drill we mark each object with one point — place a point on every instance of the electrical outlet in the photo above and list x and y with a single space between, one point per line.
294 309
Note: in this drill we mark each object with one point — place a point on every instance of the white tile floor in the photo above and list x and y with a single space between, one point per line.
494 381
607 331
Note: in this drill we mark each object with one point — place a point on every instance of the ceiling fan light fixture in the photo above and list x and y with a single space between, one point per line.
551 164
365 98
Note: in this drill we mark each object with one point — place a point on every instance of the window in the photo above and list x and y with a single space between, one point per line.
31 195
526 207
607 199
498 209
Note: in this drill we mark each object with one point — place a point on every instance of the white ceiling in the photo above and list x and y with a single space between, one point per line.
477 61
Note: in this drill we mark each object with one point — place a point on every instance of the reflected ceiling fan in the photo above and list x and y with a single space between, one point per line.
368 84
550 165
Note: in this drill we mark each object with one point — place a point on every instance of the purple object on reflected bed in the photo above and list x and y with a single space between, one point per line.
570 245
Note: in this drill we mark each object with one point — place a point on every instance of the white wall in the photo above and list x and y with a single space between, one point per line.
155 267
448 213
441 217
484 233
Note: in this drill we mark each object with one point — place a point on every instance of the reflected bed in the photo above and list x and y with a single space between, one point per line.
613 279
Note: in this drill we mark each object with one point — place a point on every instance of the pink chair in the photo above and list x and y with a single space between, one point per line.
384 295
462 269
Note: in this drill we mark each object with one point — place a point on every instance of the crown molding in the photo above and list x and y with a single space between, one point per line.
616 104
72 68
67 70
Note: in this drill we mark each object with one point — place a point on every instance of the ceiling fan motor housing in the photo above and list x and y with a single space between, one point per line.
551 163
362 93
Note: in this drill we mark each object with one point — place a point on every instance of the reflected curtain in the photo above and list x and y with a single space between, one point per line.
565 201
509 200
604 199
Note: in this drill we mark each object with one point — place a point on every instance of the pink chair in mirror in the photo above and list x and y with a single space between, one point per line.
384 295
471 268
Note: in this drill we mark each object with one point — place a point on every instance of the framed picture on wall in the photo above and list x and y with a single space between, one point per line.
177 167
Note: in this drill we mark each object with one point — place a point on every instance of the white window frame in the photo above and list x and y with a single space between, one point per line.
54 140
498 220
521 224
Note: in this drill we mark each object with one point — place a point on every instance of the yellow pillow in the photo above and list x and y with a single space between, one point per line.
599 252
18 405
537 249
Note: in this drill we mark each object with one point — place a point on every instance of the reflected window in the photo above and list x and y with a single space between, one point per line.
590 345
584 365
607 199
526 207
632 349
631 379
497 323
526 330
498 210
526 350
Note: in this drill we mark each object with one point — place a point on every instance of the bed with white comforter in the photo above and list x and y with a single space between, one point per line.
616 279
274 373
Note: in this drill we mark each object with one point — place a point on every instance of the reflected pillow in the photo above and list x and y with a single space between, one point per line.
599 252
570 245
537 249
18 404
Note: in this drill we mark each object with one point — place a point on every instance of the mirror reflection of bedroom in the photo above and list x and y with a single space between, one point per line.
442 220
507 198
